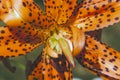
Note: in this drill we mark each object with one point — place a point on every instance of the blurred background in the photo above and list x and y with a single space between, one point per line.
110 36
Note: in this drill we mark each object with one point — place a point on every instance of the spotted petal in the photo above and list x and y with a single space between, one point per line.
31 12
61 10
10 46
98 15
18 37
5 6
22 30
100 59
89 2
46 68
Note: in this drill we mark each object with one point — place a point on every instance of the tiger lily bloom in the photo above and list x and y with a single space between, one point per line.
64 28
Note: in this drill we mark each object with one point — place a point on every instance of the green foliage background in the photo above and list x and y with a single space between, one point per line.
110 36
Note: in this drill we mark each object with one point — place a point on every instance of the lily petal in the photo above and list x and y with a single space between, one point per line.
5 6
97 16
22 30
101 59
61 10
43 69
31 12
11 47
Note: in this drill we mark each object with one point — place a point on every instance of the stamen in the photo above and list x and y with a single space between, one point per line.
66 50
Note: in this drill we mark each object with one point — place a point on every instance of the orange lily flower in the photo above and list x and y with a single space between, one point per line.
63 27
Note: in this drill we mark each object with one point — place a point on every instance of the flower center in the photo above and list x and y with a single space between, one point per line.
61 42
